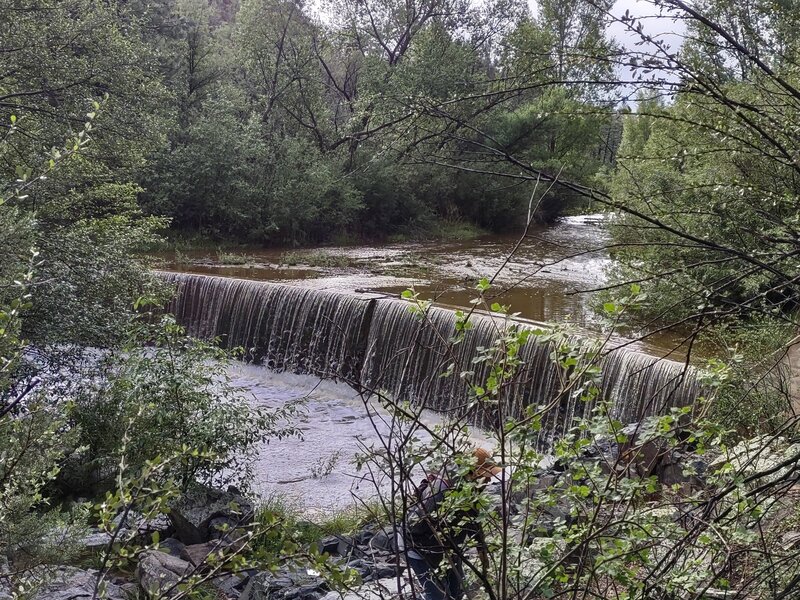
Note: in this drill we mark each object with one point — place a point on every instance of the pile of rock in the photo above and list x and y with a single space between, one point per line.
369 552
204 522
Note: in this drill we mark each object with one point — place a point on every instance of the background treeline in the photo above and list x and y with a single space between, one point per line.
276 121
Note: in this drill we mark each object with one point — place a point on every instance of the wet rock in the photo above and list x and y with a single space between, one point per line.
193 513
157 572
296 585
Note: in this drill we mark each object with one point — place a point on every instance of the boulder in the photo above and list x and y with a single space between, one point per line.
95 541
363 537
229 585
130 590
157 571
655 457
383 542
295 585
172 546
142 526
221 527
69 583
193 514
196 553
336 545
370 570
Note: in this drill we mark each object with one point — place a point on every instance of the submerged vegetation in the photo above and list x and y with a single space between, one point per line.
277 122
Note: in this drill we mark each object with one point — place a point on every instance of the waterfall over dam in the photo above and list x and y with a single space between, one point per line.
379 344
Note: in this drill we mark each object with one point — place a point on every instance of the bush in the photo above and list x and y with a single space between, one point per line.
164 393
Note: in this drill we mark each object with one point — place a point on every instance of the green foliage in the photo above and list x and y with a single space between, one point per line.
600 520
316 258
166 394
295 131
285 525
721 199
64 53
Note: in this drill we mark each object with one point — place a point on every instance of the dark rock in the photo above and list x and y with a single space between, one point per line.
655 457
336 545
194 512
363 537
383 541
196 553
550 519
221 527
143 527
361 566
95 541
157 572
382 571
229 585
69 583
286 586
172 546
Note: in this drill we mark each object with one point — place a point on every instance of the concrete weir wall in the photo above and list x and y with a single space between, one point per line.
378 344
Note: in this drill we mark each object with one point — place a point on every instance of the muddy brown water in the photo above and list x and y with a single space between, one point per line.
550 278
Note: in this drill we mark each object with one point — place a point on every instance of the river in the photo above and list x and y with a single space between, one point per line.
550 277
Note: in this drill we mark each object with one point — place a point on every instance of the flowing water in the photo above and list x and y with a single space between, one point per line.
336 315
548 279
376 345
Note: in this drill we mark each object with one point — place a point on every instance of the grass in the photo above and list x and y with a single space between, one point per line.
283 524
448 231
230 258
458 231
316 258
